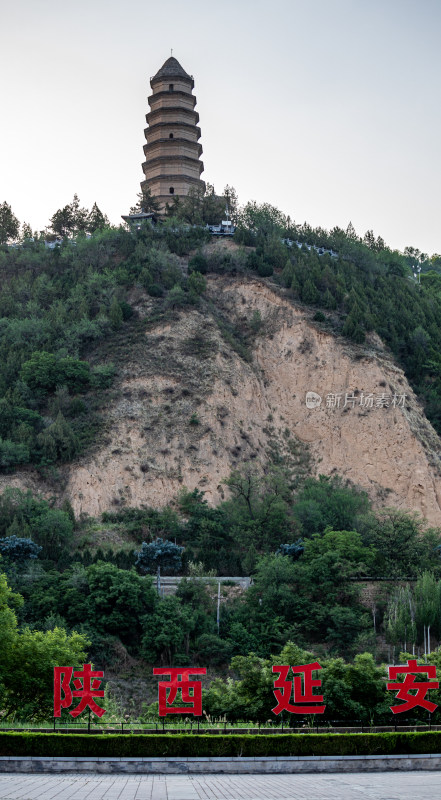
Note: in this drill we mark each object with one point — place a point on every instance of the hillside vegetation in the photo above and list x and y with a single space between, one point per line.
68 317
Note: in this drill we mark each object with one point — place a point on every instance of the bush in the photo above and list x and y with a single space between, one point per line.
202 746
198 264
103 375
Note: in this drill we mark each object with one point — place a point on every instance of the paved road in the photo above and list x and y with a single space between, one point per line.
354 786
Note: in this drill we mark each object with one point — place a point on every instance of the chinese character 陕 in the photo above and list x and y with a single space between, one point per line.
191 691
86 684
420 687
302 694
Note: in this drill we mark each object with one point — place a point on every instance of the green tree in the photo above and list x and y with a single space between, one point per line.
27 659
177 298
52 531
197 284
263 219
427 607
329 502
213 206
116 314
167 633
57 442
40 371
145 202
400 540
231 201
28 677
12 454
69 220
400 622
44 371
96 220
119 601
9 224
62 222
159 554
310 294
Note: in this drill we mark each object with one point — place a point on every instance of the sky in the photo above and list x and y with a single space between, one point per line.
328 109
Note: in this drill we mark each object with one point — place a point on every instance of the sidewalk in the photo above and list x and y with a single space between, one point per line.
354 786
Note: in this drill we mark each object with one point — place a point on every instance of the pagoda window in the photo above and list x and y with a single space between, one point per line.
171 86
171 190
170 136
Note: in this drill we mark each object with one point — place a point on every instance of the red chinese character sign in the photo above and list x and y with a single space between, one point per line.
179 679
419 687
308 703
86 683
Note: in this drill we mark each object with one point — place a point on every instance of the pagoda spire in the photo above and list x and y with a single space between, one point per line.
172 154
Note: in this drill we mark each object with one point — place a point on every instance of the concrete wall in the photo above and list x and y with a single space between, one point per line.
236 765
170 584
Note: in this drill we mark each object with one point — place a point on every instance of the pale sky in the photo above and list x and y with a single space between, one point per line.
328 109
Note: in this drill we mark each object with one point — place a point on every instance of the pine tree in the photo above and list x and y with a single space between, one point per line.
96 220
309 292
329 300
115 314
146 203
9 224
287 273
79 215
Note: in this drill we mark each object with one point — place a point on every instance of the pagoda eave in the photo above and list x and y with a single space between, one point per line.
173 110
161 144
174 125
172 76
173 93
150 162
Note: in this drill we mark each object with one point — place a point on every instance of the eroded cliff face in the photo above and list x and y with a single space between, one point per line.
189 409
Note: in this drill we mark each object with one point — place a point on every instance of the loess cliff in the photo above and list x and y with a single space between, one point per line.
192 402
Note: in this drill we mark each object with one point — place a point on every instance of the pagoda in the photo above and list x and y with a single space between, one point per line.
172 154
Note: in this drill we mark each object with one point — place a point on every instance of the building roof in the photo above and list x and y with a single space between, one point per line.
171 67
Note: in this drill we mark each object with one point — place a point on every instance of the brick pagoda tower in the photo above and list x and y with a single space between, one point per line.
172 154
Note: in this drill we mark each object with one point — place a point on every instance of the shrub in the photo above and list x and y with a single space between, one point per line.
198 264
195 745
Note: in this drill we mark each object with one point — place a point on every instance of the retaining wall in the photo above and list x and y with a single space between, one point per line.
250 766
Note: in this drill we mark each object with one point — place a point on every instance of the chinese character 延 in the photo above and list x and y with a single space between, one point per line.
86 684
419 687
306 702
191 691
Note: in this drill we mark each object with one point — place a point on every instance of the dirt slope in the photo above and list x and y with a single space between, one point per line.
189 408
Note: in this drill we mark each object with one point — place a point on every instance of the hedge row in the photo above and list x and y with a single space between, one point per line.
344 744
